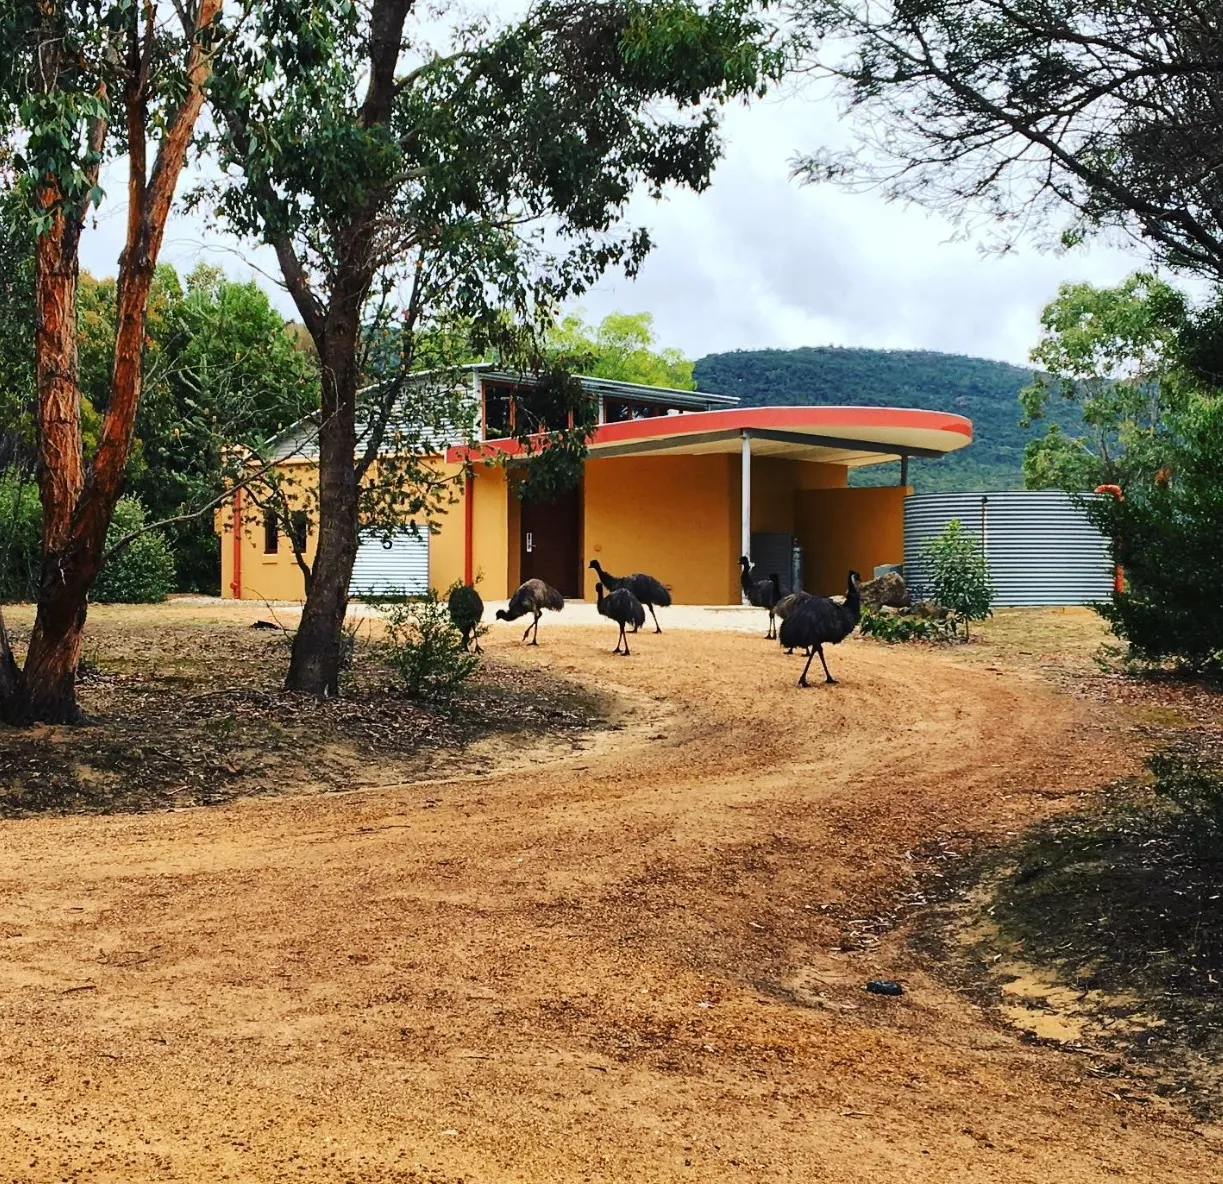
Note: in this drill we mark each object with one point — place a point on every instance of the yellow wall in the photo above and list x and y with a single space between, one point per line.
490 537
841 529
675 517
277 577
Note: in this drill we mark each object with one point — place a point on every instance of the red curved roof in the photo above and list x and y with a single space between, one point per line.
883 432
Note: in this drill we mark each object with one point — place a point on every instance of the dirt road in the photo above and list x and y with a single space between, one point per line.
619 965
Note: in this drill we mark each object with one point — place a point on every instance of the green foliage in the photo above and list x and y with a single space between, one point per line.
1190 776
1169 538
894 627
425 649
20 536
143 571
984 391
959 574
622 347
1111 352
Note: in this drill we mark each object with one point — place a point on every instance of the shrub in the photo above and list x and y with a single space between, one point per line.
425 649
20 538
893 627
143 572
959 574
1170 541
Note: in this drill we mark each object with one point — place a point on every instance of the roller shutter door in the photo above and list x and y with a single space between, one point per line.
399 566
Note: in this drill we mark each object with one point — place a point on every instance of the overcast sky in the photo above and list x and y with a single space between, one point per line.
759 261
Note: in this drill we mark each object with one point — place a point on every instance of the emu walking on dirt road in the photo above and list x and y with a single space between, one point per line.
646 589
787 604
624 608
761 593
466 609
818 621
532 597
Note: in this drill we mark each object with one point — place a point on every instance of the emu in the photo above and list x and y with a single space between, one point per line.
818 621
466 610
646 589
622 607
532 597
787 604
761 593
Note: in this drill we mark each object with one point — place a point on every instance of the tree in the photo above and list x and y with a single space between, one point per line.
1170 541
1001 111
479 187
959 574
623 347
1114 353
81 83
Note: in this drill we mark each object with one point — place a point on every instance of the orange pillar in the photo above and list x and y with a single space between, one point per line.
235 585
1118 570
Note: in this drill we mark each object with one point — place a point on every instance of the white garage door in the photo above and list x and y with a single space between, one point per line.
397 567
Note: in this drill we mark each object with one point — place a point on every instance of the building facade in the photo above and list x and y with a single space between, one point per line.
677 483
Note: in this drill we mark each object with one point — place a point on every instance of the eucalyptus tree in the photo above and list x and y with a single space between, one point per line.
478 182
82 83
1003 112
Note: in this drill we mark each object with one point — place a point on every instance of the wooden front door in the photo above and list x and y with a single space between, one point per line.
550 547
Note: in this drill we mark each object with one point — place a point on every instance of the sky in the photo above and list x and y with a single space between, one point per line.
759 261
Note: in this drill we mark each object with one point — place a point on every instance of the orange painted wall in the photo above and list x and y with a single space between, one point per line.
840 529
675 517
490 537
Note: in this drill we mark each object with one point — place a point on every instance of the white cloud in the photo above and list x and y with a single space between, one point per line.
759 261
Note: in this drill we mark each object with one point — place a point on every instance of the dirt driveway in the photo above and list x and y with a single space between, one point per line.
621 965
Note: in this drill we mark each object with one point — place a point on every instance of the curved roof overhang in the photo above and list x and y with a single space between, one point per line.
851 436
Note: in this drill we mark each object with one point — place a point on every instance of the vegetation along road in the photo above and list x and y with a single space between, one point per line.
638 956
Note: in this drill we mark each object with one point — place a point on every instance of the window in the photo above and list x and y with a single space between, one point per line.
619 410
271 532
497 400
299 529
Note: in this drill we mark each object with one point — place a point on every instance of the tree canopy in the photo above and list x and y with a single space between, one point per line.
1002 112
622 346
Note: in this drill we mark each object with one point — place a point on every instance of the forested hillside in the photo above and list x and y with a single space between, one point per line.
986 392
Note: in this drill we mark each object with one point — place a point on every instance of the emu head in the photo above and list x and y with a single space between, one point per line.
745 562
594 565
502 615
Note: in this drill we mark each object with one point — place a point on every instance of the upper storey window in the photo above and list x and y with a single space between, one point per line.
619 410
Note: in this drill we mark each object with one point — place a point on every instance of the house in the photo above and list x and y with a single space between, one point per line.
677 483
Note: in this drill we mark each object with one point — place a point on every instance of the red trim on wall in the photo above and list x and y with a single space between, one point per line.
469 497
235 585
745 419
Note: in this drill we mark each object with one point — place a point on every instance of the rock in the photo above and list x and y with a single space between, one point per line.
888 590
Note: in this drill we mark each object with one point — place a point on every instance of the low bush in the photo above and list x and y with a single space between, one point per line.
959 574
893 627
425 649
143 572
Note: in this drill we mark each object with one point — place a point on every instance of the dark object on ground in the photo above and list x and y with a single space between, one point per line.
265 625
624 608
884 986
644 588
466 610
532 597
888 591
819 621
761 593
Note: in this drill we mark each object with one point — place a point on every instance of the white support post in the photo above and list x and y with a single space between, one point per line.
745 529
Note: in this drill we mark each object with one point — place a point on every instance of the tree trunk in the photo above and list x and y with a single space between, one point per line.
314 667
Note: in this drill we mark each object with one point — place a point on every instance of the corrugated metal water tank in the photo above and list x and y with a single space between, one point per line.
1040 547
402 568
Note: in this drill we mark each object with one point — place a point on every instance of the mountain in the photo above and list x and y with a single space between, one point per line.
984 391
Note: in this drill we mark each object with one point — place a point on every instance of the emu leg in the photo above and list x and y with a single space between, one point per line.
619 639
771 635
802 678
528 632
624 638
657 626
819 649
